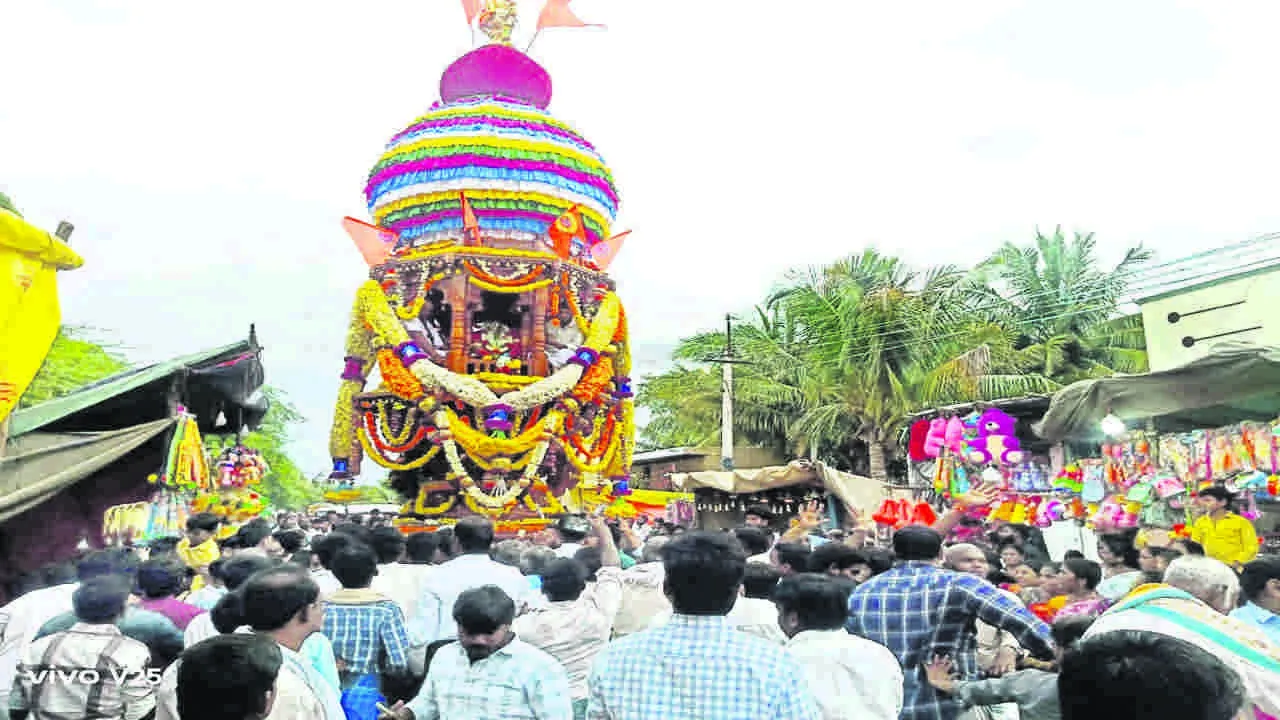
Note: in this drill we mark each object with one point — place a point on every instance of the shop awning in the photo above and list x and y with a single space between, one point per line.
223 381
855 491
1235 382
39 465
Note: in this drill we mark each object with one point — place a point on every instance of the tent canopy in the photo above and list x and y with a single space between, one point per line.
224 380
1235 382
855 491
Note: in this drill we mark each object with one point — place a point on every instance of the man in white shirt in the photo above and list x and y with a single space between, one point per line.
643 600
576 623
754 611
852 678
404 580
472 568
489 674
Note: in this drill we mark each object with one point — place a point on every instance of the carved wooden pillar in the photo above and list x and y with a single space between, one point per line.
538 360
461 317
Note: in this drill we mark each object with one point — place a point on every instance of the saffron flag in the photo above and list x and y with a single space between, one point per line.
472 9
563 231
556 13
373 242
470 225
604 252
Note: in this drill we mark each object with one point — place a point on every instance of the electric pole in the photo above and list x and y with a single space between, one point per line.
726 362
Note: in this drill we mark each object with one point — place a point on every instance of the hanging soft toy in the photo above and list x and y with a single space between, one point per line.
953 436
996 441
935 437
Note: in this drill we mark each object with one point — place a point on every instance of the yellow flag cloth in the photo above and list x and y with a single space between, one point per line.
29 311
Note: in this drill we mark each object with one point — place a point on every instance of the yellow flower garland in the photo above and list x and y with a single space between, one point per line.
479 445
509 289
342 430
420 507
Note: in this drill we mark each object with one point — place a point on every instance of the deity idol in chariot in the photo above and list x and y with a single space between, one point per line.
487 357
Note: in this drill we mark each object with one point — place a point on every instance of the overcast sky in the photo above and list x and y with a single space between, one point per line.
206 152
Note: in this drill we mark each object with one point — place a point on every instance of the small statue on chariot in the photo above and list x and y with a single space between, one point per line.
487 359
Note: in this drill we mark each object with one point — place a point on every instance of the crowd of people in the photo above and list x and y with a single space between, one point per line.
331 619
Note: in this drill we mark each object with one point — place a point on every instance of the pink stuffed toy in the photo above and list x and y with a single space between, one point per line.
954 435
936 438
996 441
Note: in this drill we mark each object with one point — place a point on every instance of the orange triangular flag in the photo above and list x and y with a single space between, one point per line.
470 225
604 252
472 9
373 242
562 232
556 13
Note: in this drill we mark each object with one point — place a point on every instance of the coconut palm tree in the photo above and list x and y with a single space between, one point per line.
884 341
1064 306
846 352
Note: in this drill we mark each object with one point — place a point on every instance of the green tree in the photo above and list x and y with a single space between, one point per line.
7 204
1063 304
842 354
285 485
74 360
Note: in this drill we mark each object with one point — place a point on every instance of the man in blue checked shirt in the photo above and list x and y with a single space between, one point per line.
919 610
697 666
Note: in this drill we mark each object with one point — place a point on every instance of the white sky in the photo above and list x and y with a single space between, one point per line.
207 151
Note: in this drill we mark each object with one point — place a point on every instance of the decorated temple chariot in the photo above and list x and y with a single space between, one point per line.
487 360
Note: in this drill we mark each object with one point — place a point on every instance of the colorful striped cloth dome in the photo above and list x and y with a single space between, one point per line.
519 167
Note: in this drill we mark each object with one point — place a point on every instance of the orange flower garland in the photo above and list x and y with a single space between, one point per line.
596 381
398 378
481 274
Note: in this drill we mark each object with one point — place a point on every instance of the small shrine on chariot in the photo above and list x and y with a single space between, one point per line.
487 359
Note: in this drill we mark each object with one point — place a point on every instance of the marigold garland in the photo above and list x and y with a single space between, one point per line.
390 464
479 445
420 507
375 309
452 248
598 466
412 436
510 289
600 438
479 273
398 378
342 430
596 381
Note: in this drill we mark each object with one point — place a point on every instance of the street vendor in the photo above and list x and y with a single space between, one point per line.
1225 535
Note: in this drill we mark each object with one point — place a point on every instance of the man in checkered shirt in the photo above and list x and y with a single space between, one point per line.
91 670
698 666
919 610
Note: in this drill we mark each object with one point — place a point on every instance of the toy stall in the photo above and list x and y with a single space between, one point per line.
1163 436
953 448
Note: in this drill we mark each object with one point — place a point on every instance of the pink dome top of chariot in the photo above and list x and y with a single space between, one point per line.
496 70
